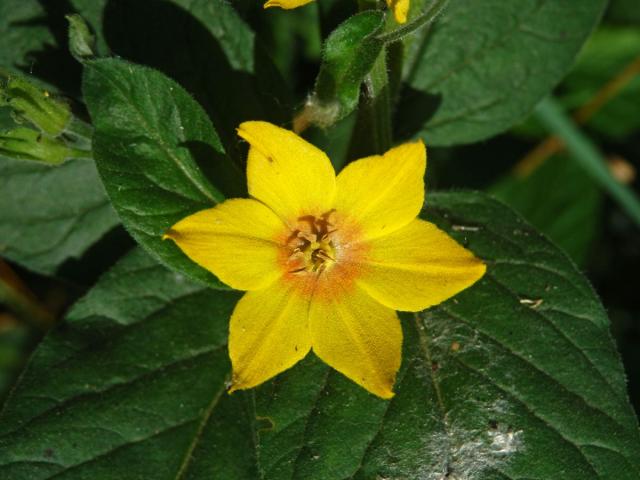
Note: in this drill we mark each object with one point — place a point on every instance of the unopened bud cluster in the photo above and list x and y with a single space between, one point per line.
42 121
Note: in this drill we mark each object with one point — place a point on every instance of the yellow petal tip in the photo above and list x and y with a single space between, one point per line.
476 272
482 268
382 391
170 235
245 128
286 4
386 395
239 130
236 385
271 3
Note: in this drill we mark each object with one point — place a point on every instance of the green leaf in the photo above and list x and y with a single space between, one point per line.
515 378
19 34
348 55
14 347
144 367
207 48
560 199
483 66
33 39
49 215
149 137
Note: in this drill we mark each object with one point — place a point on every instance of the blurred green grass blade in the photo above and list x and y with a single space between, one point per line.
586 154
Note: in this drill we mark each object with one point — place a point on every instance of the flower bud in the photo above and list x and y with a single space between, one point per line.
35 105
81 41
28 144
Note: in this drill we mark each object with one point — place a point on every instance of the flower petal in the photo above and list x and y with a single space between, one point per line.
418 266
383 193
400 9
234 240
287 173
358 337
267 335
286 4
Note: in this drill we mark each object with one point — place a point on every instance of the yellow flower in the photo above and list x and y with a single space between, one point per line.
400 7
326 260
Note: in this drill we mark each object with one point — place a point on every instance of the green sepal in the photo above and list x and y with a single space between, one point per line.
348 55
34 104
27 144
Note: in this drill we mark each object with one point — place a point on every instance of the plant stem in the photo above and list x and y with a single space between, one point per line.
373 133
587 155
427 17
377 84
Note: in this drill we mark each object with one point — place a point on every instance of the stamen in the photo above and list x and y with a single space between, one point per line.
311 246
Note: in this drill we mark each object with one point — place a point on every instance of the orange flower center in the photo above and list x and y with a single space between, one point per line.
311 246
322 255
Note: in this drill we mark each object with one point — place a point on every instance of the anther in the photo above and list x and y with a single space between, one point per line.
310 244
